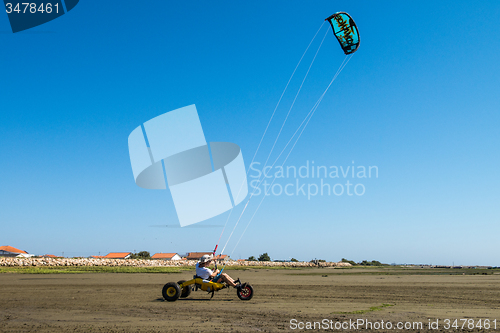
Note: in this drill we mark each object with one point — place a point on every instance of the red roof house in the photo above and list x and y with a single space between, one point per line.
196 255
9 251
118 255
221 257
166 256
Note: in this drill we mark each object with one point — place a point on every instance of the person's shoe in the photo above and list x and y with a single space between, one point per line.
237 282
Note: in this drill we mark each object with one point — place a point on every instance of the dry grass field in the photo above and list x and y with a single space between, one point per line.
285 299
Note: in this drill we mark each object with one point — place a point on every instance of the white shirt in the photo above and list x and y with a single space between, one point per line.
203 272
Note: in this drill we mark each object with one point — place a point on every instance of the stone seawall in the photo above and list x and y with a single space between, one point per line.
40 262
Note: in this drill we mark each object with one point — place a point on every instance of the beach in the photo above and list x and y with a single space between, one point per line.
285 300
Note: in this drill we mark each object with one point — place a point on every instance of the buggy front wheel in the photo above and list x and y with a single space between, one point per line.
245 292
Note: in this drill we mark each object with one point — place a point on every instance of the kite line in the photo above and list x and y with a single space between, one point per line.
308 118
279 133
269 123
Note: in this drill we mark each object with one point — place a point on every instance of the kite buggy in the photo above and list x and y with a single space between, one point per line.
172 291
206 280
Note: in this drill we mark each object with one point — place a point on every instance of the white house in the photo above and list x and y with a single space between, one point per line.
166 256
9 251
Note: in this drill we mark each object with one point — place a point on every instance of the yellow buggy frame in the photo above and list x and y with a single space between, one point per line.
173 291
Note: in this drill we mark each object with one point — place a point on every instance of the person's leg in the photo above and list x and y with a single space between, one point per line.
226 278
229 280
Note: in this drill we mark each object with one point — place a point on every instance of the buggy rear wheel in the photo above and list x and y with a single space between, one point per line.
185 291
171 291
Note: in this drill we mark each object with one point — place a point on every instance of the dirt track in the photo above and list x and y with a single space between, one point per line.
132 302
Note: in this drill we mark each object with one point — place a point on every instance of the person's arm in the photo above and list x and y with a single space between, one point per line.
214 273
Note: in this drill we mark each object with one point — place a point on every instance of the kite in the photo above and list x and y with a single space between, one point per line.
346 31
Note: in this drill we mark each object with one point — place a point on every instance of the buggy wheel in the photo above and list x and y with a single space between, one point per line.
245 292
185 291
171 291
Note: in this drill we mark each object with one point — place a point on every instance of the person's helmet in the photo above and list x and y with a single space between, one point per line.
205 258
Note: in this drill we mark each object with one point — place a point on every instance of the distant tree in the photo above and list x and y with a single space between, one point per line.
348 261
264 257
141 255
252 258
144 254
370 263
294 260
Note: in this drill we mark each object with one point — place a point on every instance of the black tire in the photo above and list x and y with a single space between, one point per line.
245 293
171 291
185 291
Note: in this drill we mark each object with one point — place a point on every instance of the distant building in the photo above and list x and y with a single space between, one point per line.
9 251
166 256
196 255
221 257
25 255
49 256
118 255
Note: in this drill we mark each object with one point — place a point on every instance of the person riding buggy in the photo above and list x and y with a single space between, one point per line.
206 273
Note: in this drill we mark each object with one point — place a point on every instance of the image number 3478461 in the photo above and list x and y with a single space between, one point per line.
27 14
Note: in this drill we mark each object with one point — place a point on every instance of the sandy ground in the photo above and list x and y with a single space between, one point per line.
109 302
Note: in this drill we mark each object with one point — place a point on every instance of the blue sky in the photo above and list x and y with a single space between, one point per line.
419 100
